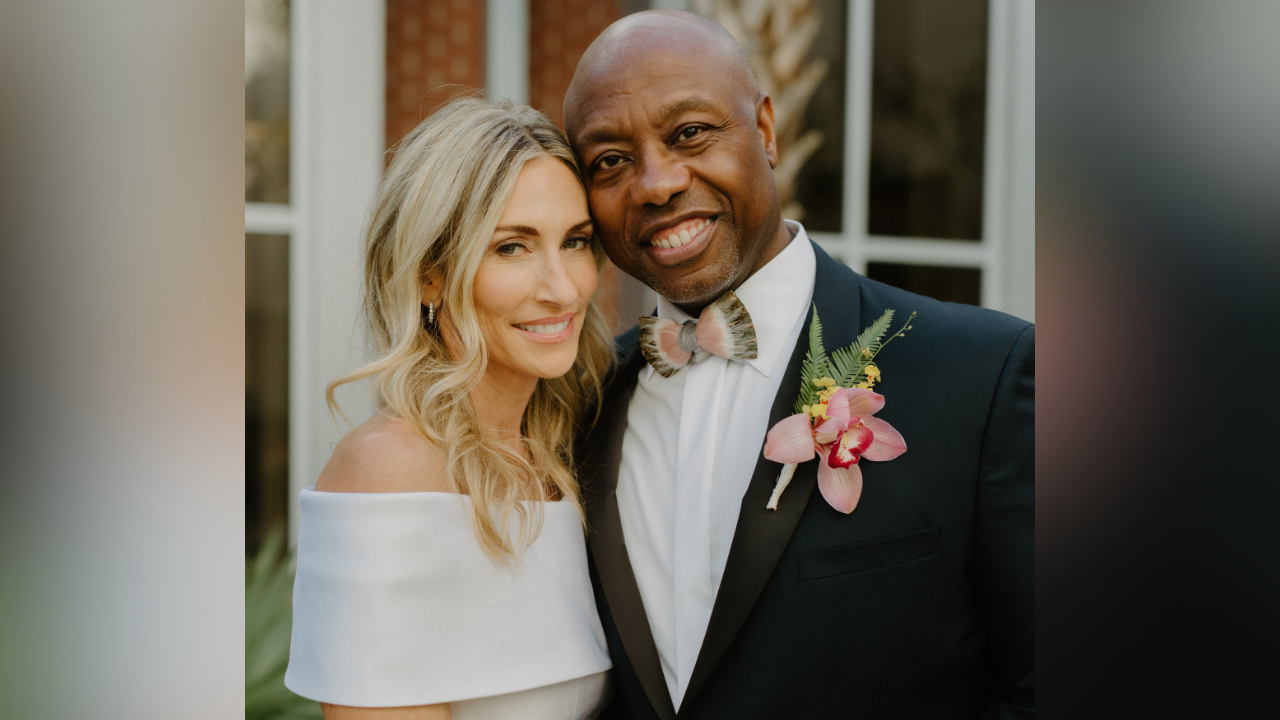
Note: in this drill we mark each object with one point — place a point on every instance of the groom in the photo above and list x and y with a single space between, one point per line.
919 602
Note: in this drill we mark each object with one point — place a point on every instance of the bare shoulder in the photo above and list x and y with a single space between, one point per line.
385 454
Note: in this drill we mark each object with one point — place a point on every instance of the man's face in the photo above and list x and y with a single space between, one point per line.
678 157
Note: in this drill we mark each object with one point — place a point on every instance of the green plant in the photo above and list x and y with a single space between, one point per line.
268 624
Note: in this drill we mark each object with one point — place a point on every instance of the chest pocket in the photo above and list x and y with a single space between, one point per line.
869 555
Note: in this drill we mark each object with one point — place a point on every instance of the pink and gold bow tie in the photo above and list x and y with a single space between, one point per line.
724 328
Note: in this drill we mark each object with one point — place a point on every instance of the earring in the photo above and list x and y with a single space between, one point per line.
431 313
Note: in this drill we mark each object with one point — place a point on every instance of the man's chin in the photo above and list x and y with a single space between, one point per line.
690 294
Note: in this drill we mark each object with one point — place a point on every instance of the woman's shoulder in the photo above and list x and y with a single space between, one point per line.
385 454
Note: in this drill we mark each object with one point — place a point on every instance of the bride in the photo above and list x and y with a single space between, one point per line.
442 567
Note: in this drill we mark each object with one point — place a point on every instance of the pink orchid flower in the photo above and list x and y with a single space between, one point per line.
845 433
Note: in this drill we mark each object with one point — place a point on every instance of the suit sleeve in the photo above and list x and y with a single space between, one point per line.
1004 533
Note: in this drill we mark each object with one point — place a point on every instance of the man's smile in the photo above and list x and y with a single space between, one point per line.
678 243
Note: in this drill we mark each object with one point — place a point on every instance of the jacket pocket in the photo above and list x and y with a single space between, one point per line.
869 555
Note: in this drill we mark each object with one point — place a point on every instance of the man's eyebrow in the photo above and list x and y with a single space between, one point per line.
671 111
663 116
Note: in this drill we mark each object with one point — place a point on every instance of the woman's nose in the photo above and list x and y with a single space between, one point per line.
555 286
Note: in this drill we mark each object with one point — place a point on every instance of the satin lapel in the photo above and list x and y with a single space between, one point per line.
762 535
600 482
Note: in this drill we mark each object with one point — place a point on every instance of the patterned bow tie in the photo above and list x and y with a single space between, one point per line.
724 328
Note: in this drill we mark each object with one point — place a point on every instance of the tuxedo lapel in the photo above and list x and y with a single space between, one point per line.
762 535
613 566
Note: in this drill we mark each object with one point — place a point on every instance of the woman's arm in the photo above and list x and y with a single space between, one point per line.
421 712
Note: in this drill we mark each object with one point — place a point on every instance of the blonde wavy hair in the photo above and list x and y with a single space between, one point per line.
434 215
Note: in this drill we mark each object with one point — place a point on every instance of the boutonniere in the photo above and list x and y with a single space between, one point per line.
835 416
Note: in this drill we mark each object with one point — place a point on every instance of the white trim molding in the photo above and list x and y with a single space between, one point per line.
506 54
338 139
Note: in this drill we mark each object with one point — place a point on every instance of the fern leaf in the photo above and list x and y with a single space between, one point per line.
815 365
849 363
872 335
845 365
816 350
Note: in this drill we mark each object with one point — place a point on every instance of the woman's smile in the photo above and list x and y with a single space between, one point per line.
548 330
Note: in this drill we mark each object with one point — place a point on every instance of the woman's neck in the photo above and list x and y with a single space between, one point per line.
500 403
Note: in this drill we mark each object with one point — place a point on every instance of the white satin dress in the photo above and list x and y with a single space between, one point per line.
395 604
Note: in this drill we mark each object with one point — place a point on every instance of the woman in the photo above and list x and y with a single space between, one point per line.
441 560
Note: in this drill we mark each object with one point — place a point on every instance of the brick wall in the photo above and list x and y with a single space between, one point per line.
435 52
560 31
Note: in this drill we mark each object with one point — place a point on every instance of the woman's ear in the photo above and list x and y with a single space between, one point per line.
432 288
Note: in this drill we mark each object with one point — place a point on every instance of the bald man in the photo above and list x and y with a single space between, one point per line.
917 603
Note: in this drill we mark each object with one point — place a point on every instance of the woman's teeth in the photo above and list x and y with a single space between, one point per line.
678 239
545 329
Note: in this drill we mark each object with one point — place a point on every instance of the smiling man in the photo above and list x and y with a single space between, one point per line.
915 598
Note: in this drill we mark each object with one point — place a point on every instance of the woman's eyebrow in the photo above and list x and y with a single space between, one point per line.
518 229
580 225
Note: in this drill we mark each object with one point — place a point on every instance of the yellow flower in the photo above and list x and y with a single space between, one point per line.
823 382
873 372
865 385
866 352
819 410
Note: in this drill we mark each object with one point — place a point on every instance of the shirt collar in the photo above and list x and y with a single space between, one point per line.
776 297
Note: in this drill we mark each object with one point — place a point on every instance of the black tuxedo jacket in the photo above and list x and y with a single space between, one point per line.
919 604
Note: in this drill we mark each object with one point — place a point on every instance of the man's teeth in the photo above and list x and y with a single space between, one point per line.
545 329
675 240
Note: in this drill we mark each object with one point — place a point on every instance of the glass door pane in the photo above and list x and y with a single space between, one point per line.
949 284
266 385
928 118
266 101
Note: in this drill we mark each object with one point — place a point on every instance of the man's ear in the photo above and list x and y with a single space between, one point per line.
764 123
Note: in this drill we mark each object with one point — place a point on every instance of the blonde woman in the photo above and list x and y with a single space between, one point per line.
442 568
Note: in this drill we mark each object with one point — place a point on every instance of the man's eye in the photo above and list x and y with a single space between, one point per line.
608 162
688 133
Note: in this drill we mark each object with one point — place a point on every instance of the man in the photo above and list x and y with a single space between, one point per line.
916 604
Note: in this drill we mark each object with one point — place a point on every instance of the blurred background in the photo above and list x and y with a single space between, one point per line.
906 136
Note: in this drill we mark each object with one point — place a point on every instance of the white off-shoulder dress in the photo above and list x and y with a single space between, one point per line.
396 604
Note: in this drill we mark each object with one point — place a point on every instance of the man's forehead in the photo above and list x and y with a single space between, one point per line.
651 95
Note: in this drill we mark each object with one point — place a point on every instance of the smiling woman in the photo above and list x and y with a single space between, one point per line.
441 559
532 289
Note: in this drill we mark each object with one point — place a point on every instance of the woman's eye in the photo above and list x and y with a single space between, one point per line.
509 249
577 243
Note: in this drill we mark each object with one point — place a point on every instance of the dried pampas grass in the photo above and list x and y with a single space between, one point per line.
777 36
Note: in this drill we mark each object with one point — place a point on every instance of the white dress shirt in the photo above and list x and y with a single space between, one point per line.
689 452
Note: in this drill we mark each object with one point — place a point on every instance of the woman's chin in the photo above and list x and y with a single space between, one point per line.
559 364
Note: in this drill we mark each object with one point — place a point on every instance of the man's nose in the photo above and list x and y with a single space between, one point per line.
661 178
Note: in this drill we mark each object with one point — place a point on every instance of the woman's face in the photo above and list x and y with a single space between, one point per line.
537 276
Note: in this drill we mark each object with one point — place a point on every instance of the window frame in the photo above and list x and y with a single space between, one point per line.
1005 254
